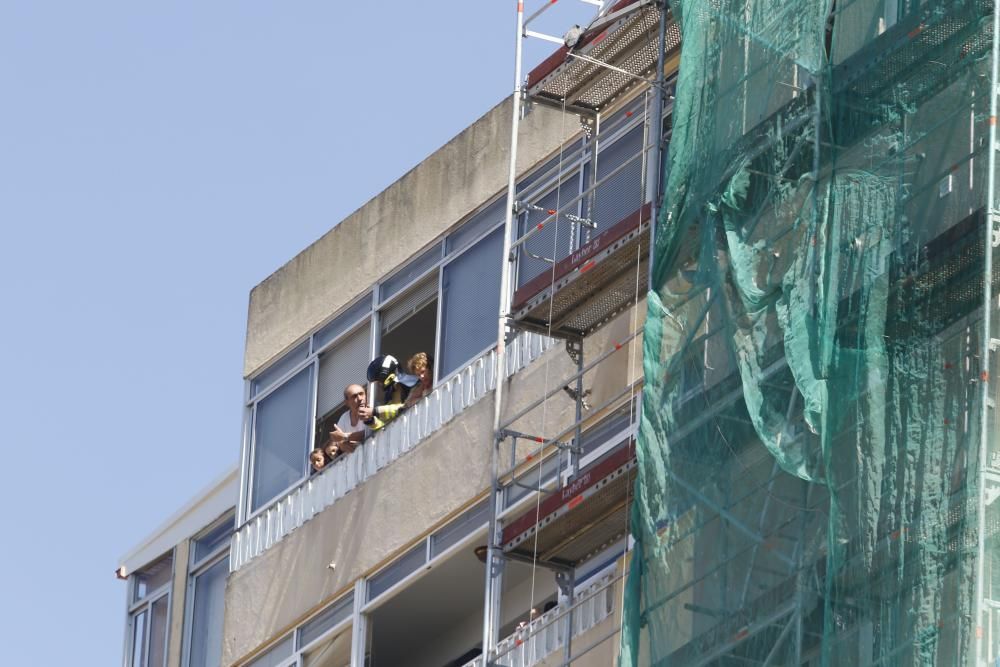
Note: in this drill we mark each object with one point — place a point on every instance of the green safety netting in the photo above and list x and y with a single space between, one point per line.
814 380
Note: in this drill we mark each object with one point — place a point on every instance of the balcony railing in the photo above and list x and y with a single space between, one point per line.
546 634
320 491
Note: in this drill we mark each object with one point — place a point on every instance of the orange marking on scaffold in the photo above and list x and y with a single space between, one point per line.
618 345
588 266
529 457
895 534
985 376
628 114
540 225
600 37
520 7
916 31
553 1
552 211
993 121
979 632
576 501
741 634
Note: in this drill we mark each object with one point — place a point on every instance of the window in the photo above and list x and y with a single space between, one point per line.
149 614
409 323
276 656
341 365
280 438
621 194
206 594
470 289
557 239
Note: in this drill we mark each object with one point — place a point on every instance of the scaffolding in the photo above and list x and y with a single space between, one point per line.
626 52
816 468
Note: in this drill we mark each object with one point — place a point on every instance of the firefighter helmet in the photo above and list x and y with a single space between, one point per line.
382 367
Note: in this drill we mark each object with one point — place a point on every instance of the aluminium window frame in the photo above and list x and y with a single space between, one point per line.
145 605
195 569
299 651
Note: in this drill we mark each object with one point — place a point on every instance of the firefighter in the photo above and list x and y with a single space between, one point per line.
395 385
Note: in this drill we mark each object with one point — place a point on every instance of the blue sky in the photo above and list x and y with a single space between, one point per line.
157 160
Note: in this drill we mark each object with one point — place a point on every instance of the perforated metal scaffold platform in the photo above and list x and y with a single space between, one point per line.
591 286
625 40
575 522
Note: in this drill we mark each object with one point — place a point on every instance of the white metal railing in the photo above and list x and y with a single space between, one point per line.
546 634
320 491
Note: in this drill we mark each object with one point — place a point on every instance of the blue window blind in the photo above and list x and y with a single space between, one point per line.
471 300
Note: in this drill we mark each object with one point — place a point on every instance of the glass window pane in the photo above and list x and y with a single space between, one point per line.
275 656
279 368
622 194
213 539
153 577
471 294
460 527
342 322
394 573
548 170
206 617
409 273
158 632
138 640
477 225
557 239
329 617
281 438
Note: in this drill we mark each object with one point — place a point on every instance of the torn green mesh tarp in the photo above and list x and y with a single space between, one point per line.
815 387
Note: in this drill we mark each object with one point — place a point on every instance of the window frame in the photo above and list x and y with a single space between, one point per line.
198 567
144 605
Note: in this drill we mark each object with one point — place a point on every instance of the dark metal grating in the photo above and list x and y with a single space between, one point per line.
629 44
598 288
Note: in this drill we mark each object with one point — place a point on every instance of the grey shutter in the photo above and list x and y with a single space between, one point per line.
415 299
622 194
340 366
470 301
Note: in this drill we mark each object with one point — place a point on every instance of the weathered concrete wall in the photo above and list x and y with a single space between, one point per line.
359 531
178 593
454 181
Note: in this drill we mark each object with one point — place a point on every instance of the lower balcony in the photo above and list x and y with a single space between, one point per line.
447 401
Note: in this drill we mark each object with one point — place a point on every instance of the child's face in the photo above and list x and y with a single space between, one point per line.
423 373
317 460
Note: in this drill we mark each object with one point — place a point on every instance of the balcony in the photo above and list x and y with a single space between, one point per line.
546 635
320 491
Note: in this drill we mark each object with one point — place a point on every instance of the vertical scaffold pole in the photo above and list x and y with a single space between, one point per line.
654 172
981 464
491 607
